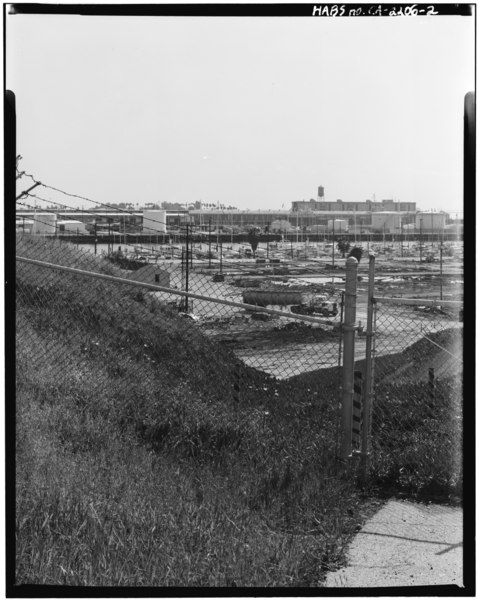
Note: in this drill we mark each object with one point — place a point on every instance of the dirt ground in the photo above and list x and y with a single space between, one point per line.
284 348
405 544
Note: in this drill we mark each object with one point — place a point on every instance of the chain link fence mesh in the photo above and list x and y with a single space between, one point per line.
126 344
416 435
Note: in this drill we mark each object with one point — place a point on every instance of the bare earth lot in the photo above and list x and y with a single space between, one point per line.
285 348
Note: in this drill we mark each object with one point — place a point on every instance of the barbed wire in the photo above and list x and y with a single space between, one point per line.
102 204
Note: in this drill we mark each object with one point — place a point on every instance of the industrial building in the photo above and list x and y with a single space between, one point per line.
339 206
154 221
73 227
385 216
430 222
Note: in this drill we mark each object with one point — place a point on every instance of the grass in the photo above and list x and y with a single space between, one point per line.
416 441
149 456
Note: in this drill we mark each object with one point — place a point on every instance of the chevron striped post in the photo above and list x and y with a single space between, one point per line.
357 411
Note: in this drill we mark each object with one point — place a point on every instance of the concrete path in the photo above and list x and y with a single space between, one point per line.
405 544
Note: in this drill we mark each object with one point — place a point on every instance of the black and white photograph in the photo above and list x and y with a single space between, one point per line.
235 299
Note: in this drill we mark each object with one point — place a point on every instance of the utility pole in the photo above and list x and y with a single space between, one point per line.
333 242
421 224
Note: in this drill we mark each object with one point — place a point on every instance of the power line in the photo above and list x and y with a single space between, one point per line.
102 204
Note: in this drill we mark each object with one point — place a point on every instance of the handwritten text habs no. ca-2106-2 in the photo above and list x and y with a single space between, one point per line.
372 10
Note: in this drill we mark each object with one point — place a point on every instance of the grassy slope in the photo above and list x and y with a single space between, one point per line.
416 443
147 455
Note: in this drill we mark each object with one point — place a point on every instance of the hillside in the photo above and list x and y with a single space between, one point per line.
147 455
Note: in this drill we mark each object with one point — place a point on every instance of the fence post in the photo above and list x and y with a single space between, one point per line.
431 384
348 356
368 384
186 299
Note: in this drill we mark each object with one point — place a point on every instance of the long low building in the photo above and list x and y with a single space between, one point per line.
155 222
243 219
341 206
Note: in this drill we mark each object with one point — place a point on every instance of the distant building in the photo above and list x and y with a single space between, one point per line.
24 225
281 225
431 222
154 221
386 222
337 225
44 223
73 227
341 206
151 274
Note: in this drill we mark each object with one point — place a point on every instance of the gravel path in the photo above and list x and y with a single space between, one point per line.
405 544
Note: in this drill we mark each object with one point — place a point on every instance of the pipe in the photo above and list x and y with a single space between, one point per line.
348 327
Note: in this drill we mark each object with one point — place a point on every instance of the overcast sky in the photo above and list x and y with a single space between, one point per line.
249 112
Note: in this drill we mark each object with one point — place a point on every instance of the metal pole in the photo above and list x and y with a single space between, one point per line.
182 268
187 267
368 384
168 290
421 223
220 257
96 239
441 271
337 432
333 242
348 355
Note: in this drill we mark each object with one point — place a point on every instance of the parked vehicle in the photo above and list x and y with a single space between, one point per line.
327 309
300 302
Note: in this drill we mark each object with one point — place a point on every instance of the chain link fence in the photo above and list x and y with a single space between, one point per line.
88 324
242 334
416 428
